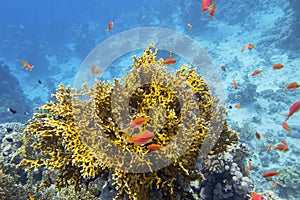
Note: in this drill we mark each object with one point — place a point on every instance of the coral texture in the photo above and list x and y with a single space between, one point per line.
225 177
82 135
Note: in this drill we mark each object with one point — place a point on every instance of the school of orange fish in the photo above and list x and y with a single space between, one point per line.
145 136
283 146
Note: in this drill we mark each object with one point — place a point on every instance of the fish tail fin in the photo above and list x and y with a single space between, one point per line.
287 117
22 61
127 137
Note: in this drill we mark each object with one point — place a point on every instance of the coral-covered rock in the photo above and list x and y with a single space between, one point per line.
225 175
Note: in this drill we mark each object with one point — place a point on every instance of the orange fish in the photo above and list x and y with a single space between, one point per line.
265 135
283 142
223 68
243 48
154 146
270 174
250 165
110 26
169 61
141 138
294 108
26 65
212 12
94 70
247 171
277 66
238 106
206 4
255 196
269 147
250 46
286 127
234 84
257 72
282 147
275 185
280 182
257 135
138 121
292 85
190 27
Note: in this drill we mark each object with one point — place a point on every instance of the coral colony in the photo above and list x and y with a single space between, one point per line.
73 138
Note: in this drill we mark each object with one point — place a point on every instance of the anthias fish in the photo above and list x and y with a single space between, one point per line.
110 26
292 85
255 196
250 46
284 142
278 66
269 147
206 4
94 70
270 174
212 12
169 61
141 138
257 135
154 146
294 108
282 147
257 72
234 84
286 127
26 65
250 165
238 106
138 121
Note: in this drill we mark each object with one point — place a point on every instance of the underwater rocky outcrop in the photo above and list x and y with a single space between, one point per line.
12 180
80 139
10 89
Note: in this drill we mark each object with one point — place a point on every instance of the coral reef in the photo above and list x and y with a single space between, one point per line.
291 178
11 178
224 174
81 135
17 184
246 130
269 195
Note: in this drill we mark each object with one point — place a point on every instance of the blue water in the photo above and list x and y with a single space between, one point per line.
56 36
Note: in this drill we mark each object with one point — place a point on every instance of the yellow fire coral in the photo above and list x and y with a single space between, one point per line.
83 134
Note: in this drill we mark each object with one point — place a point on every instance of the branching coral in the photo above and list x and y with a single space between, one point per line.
83 135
